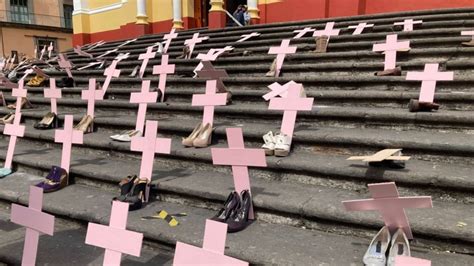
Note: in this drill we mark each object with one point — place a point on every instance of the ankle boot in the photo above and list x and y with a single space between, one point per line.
321 44
390 72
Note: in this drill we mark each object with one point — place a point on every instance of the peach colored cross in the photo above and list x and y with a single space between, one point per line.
386 200
281 52
212 251
53 93
67 137
191 43
302 32
328 31
360 27
428 78
208 72
146 57
248 36
168 38
240 159
163 70
209 100
110 72
35 221
91 95
408 24
390 47
115 238
143 98
14 130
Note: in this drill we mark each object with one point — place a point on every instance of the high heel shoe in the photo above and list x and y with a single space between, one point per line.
399 247
8 119
230 204
125 185
49 121
272 71
375 254
25 104
137 194
86 124
55 180
239 218
36 81
204 138
188 142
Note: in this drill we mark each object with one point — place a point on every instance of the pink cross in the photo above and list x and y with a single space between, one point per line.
145 57
277 90
410 261
42 52
115 238
40 72
360 27
212 54
53 93
7 83
408 24
212 251
168 38
78 51
91 95
19 93
35 221
89 65
50 49
328 31
240 159
248 36
67 137
210 73
302 32
95 45
126 42
108 52
64 63
281 52
290 105
122 56
191 43
470 33
209 100
13 130
35 51
27 72
390 47
143 98
386 200
110 72
163 70
428 80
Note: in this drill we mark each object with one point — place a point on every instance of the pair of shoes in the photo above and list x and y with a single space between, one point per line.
200 137
272 71
390 72
7 119
186 53
36 81
235 212
376 253
56 180
49 121
417 106
65 82
126 136
278 145
86 124
25 104
321 44
133 192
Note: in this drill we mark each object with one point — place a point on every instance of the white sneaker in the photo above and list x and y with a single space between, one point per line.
282 145
375 254
269 145
400 247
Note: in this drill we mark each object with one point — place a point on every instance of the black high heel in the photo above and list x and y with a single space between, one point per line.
125 185
49 121
239 218
232 202
136 195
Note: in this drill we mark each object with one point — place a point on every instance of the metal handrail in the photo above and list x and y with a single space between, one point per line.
36 19
232 17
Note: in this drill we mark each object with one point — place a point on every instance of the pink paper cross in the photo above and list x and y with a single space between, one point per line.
35 51
168 38
91 95
19 93
408 24
428 80
13 130
209 100
40 72
64 63
89 65
126 42
122 56
110 72
163 70
411 261
208 72
386 200
281 52
67 137
27 72
50 49
143 98
149 145
277 90
108 52
95 45
42 52
212 251
470 33
78 51
360 27
328 31
302 32
248 36
53 93
146 57
240 159
390 47
290 105
35 221
212 54
191 43
115 238
7 83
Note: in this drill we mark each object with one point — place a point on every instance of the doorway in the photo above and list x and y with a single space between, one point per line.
201 11
231 6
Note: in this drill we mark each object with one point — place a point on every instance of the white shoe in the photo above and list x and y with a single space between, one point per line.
127 136
269 145
400 247
375 255
282 145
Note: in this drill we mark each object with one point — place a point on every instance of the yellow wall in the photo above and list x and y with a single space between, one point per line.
92 4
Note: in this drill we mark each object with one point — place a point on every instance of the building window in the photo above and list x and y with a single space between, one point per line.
42 41
68 15
19 11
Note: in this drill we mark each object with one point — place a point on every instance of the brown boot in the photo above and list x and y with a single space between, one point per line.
390 72
321 44
272 71
417 106
469 43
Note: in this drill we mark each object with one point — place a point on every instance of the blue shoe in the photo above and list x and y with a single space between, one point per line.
5 171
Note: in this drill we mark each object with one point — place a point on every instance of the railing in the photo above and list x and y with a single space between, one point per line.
232 17
35 19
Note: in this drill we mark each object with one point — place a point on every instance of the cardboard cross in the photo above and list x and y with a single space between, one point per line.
115 238
470 33
19 93
212 251
428 78
248 36
240 159
168 38
27 72
79 52
13 130
208 72
67 137
386 200
126 42
360 27
50 49
191 43
53 93
163 70
408 24
64 63
145 57
390 48
143 98
91 95
209 100
328 31
302 32
410 261
107 53
149 145
42 52
89 65
277 90
35 221
110 72
281 52
290 105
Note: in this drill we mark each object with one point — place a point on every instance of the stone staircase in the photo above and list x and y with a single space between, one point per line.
300 218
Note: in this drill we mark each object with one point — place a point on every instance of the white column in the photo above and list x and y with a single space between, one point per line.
141 12
177 18
79 5
253 10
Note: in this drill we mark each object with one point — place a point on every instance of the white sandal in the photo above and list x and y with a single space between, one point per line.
269 145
